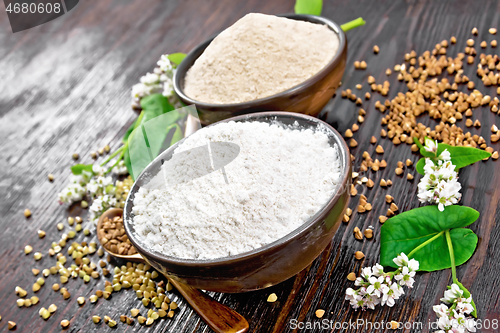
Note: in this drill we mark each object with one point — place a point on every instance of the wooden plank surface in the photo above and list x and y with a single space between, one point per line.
66 86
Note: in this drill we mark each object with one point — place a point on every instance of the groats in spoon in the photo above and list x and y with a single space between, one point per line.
219 317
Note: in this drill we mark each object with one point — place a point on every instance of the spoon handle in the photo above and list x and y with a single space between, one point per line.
219 317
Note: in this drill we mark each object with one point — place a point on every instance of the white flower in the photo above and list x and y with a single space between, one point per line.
164 63
378 270
371 301
366 273
441 310
359 281
168 88
406 277
454 319
97 169
401 260
82 178
140 90
376 286
96 205
150 79
470 324
430 145
459 317
100 185
451 294
76 189
74 192
120 169
92 187
445 155
440 182
354 298
158 82
394 292
444 323
104 181
465 306
413 265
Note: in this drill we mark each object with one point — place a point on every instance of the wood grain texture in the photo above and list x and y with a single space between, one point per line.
65 88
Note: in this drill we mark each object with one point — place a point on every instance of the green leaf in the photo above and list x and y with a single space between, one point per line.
463 156
178 135
426 153
408 230
155 105
129 131
138 154
77 169
176 58
128 163
420 166
147 140
467 295
311 7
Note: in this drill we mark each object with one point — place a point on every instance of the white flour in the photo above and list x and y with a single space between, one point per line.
258 56
280 179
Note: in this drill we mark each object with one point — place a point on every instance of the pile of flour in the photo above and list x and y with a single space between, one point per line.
278 180
259 56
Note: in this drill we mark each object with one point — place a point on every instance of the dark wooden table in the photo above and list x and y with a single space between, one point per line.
66 88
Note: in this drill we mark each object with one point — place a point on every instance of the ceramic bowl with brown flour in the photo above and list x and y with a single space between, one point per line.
264 62
242 204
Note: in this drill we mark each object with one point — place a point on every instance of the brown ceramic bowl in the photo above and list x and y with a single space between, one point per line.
309 97
265 266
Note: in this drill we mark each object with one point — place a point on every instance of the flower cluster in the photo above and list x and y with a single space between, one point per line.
99 184
440 182
158 82
120 169
454 318
76 189
379 287
100 205
101 189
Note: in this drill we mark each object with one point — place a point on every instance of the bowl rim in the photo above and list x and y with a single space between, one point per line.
270 247
182 69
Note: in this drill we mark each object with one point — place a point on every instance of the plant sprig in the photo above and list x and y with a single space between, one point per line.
145 138
436 240
314 7
460 156
423 233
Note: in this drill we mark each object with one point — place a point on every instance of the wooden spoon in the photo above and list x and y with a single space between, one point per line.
218 317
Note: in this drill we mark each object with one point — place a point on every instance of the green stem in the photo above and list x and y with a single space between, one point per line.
430 240
122 149
112 155
116 163
452 257
417 142
139 119
353 24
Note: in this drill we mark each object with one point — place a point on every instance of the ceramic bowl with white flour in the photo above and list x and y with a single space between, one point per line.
242 204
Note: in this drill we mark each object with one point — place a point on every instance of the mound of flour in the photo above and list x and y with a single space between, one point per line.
278 180
259 56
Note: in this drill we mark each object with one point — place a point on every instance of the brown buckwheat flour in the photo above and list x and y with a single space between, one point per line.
259 56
